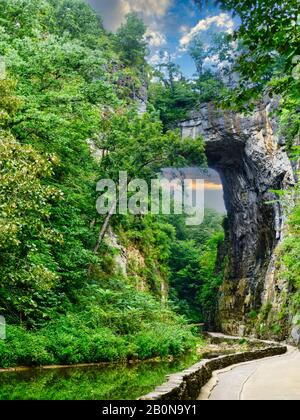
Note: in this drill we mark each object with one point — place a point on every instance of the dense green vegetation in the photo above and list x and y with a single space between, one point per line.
70 88
171 94
174 96
197 263
111 322
290 260
190 260
268 62
67 81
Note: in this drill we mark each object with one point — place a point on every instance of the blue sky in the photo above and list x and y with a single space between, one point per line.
171 24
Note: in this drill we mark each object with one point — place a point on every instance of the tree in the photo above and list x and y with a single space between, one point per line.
173 103
76 18
136 144
27 269
214 64
65 93
198 52
9 102
63 83
227 51
266 26
172 95
195 277
23 17
130 42
167 71
270 35
209 87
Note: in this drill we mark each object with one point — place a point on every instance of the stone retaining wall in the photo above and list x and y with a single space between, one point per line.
187 384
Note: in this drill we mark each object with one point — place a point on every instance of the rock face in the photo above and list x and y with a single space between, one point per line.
296 335
249 155
129 263
296 330
142 99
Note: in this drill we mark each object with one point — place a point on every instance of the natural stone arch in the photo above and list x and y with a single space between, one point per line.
251 159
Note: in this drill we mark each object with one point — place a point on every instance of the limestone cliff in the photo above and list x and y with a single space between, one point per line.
250 156
129 262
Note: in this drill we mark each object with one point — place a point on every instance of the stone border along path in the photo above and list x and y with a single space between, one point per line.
272 379
188 384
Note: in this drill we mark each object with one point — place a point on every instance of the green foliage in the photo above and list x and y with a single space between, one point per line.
21 18
69 81
130 42
136 144
171 94
253 315
61 63
265 311
289 256
28 270
9 103
23 348
51 113
173 101
270 32
277 329
108 324
77 19
153 237
195 277
269 60
174 96
160 340
198 52
209 87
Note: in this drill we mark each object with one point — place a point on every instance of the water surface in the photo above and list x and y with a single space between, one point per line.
113 382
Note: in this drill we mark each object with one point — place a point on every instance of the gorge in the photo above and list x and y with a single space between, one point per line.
102 293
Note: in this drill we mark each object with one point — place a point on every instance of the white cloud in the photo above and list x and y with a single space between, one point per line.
212 61
155 59
223 22
114 11
161 57
156 38
184 29
150 7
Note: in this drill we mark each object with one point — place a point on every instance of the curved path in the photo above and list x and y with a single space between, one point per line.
275 378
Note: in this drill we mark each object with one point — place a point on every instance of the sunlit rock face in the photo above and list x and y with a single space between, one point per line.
250 157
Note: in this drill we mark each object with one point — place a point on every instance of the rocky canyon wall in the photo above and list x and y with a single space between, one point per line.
250 156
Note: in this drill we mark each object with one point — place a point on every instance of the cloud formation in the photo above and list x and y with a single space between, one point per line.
223 22
114 11
156 39
161 57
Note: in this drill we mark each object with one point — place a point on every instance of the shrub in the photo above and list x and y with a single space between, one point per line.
161 340
24 348
102 331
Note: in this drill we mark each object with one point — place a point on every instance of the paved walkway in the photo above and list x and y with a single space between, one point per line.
275 378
